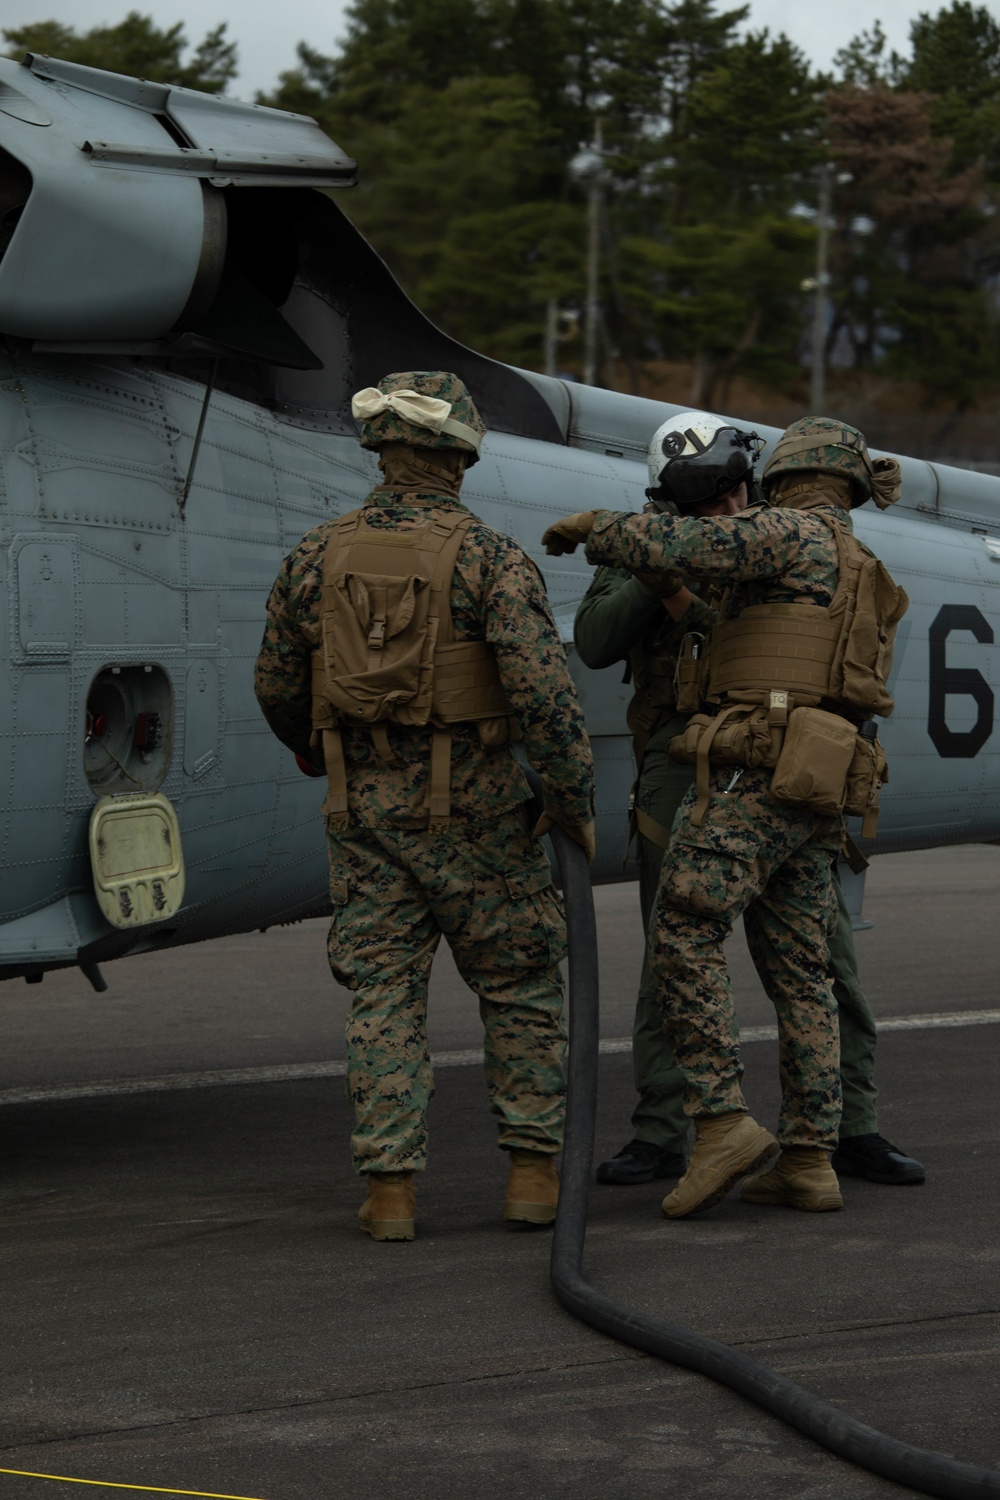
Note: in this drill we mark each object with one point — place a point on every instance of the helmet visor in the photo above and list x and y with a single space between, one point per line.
693 479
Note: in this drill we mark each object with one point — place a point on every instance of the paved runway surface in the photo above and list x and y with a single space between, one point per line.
188 1303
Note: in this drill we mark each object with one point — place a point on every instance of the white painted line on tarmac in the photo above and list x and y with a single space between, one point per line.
938 1018
167 1083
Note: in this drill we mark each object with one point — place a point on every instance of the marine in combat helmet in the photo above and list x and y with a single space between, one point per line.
703 465
755 836
407 647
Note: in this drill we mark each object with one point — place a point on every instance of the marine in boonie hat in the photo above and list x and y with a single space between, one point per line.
826 445
423 408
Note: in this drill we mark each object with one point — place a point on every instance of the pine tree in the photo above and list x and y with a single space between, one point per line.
136 47
913 249
718 270
956 58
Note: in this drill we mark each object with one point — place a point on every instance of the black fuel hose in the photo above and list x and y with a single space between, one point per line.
928 1473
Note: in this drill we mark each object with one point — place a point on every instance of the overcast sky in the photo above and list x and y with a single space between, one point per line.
267 32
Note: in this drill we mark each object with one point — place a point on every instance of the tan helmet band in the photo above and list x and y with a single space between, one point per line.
459 429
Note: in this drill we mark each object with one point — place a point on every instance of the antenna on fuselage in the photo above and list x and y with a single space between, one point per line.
209 386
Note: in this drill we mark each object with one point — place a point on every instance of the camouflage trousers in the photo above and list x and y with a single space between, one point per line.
489 892
856 1023
772 863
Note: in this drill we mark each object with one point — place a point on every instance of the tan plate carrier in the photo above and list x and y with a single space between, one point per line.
774 659
388 653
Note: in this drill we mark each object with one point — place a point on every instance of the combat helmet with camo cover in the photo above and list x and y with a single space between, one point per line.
825 445
422 408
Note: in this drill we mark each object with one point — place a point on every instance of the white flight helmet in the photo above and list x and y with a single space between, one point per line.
695 457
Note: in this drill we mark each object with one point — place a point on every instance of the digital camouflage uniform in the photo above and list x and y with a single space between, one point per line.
619 615
484 881
752 855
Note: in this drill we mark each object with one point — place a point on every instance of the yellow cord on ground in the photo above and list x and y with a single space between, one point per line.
147 1489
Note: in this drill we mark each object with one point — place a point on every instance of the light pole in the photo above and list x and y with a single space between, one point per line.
588 169
551 335
817 382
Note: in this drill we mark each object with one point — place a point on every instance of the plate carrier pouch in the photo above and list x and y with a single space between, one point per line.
775 659
388 654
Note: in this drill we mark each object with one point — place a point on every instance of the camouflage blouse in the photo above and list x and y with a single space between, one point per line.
791 554
497 595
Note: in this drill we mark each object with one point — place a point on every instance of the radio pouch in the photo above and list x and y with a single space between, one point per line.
745 738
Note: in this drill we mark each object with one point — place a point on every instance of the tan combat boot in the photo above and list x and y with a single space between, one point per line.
802 1178
532 1188
726 1146
392 1200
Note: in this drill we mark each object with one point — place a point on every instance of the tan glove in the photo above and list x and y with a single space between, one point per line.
666 585
566 535
581 833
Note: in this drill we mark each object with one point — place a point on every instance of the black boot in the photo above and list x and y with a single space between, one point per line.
872 1157
641 1161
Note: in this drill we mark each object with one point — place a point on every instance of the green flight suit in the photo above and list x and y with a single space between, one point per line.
618 619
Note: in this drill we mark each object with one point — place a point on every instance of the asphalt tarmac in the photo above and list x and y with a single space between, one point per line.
188 1305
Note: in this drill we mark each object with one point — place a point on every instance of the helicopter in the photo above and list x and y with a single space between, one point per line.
185 312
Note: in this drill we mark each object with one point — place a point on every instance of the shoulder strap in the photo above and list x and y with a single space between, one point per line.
448 535
342 533
846 564
449 540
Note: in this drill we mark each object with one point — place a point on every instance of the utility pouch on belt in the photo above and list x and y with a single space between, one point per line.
866 776
815 760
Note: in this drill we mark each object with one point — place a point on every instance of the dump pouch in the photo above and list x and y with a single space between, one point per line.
744 739
815 759
741 734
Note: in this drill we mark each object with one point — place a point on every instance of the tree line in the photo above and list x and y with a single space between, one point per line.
468 118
